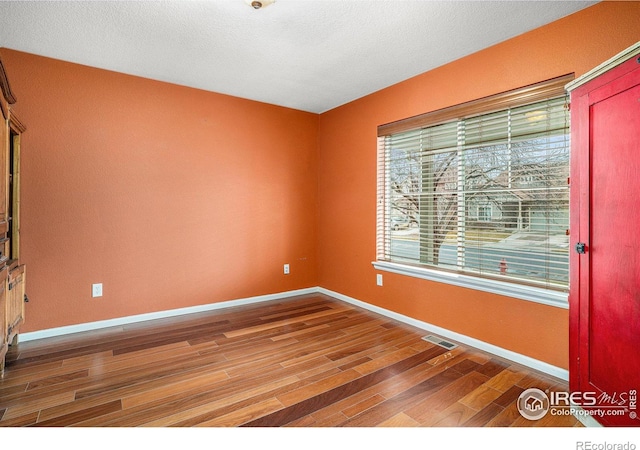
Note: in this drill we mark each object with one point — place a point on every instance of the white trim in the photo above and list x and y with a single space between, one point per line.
481 345
536 364
519 291
90 326
585 419
621 57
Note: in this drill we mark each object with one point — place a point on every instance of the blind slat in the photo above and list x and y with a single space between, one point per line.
485 195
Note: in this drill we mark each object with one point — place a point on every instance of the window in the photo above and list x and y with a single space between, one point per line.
484 213
487 185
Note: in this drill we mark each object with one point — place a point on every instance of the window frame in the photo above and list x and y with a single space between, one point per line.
485 213
510 99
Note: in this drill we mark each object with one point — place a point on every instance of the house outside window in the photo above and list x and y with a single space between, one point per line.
488 192
484 213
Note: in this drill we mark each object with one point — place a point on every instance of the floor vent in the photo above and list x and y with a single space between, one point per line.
439 341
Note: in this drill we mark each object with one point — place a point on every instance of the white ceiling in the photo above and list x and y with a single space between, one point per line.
312 55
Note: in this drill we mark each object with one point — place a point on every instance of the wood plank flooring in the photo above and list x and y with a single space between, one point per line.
310 361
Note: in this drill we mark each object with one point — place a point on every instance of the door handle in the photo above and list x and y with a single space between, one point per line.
581 248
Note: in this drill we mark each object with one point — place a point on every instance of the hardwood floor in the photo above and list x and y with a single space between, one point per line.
310 361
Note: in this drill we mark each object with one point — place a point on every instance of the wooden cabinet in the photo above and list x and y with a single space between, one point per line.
12 272
15 293
604 298
4 335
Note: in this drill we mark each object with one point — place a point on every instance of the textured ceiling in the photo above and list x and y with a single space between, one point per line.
303 54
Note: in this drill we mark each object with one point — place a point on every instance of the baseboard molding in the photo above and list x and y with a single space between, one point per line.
91 326
463 339
585 419
536 364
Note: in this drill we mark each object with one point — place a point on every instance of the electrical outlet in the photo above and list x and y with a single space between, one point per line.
379 279
96 290
286 269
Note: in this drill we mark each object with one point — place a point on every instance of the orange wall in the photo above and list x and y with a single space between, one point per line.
169 196
347 176
175 197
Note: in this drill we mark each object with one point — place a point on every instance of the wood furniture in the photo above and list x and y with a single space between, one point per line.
12 273
604 299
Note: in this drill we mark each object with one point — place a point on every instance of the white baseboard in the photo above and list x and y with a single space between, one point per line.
481 345
90 326
585 419
536 364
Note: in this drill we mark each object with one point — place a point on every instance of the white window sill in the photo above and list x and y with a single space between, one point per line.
523 292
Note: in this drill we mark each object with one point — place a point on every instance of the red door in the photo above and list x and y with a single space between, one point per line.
605 304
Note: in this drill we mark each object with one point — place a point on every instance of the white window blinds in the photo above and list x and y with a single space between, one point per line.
484 195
